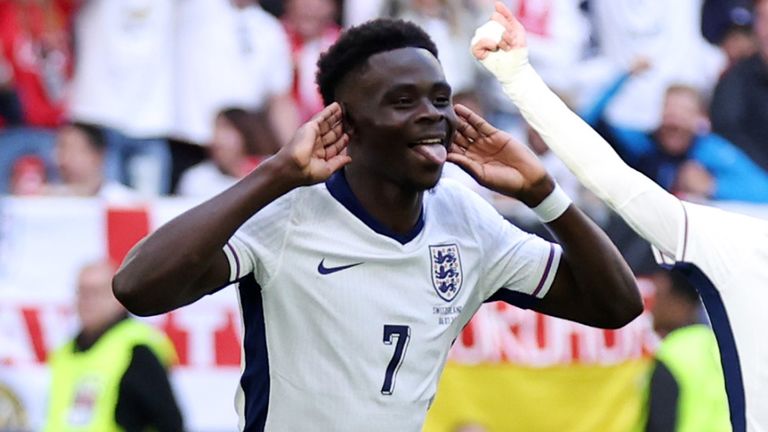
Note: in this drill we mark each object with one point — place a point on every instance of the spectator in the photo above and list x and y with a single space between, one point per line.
18 145
80 154
28 177
240 141
738 43
243 60
34 44
311 28
739 104
678 155
669 35
122 81
113 374
687 389
719 17
35 63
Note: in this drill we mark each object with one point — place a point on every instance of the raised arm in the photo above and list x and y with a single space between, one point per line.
651 211
593 285
183 260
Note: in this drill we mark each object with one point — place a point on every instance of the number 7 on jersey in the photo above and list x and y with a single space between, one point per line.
402 334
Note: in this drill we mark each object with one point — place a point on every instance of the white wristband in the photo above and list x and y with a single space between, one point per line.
553 206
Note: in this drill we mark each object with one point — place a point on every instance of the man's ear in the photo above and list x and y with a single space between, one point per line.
347 124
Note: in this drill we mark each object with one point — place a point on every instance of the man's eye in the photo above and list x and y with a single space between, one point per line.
442 100
404 101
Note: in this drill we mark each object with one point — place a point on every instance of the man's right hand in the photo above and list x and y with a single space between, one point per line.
317 150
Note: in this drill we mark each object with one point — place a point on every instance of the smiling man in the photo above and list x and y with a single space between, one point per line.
357 267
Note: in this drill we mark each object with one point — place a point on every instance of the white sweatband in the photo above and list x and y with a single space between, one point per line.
553 206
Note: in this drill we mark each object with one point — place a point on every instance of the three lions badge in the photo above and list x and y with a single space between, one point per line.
446 270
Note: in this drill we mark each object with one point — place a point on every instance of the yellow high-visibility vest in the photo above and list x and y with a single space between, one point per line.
85 385
692 357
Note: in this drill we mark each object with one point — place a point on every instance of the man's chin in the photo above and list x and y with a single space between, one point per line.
429 179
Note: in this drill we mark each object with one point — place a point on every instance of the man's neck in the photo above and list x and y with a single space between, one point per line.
88 337
88 187
390 204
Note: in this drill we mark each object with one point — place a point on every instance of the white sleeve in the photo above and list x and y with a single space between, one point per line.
652 212
514 262
257 246
722 244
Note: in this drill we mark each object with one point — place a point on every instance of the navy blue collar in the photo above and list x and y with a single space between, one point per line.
339 188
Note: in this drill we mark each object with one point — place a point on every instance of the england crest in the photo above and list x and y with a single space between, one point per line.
446 270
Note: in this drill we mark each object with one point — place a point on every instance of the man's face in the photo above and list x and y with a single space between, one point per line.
400 117
76 159
310 18
227 147
96 305
680 118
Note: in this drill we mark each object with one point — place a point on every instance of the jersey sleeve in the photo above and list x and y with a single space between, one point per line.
718 242
256 247
651 211
518 267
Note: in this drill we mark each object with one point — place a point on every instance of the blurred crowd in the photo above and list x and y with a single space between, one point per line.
130 99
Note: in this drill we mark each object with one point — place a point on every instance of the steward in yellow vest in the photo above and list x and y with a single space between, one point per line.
113 375
687 390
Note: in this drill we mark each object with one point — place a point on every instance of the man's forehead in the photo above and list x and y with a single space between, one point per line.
403 60
388 68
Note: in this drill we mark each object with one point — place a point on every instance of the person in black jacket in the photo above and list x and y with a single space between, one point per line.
114 372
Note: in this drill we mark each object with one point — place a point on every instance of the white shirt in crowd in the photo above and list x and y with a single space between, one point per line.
204 180
124 65
241 61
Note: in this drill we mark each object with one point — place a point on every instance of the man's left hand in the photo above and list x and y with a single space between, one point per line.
497 161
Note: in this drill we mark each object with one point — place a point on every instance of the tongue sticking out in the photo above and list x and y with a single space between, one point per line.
434 152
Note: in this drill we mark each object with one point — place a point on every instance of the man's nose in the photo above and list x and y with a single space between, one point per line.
429 112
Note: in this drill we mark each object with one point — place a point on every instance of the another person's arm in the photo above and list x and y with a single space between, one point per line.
183 260
593 284
663 395
145 398
596 111
632 143
651 211
736 176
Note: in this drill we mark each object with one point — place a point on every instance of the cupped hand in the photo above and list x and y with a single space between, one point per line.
497 161
318 149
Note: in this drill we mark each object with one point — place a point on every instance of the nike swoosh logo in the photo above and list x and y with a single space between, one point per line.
323 270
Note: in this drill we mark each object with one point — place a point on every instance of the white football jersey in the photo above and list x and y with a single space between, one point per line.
347 324
724 255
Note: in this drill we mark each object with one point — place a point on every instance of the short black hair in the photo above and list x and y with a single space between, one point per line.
682 288
359 43
94 134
